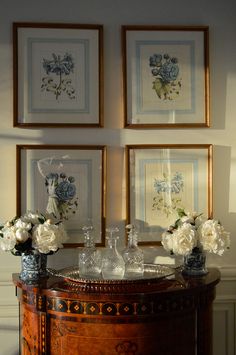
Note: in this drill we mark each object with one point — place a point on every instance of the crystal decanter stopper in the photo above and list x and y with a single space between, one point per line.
113 265
133 255
89 257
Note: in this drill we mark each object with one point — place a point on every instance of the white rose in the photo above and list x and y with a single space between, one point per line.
167 241
8 224
200 220
22 235
213 237
48 237
8 241
31 217
192 218
184 239
20 224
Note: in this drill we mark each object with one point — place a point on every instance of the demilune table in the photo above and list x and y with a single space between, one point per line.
158 316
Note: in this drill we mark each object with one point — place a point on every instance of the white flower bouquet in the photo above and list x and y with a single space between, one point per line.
32 231
192 230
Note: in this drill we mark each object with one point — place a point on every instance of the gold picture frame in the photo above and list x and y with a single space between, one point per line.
59 179
165 76
162 178
58 75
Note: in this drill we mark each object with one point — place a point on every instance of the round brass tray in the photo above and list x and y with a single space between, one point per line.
151 272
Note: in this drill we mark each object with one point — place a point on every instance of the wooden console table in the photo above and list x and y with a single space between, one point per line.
161 317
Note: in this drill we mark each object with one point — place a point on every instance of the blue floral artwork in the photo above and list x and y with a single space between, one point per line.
62 200
166 73
58 80
168 193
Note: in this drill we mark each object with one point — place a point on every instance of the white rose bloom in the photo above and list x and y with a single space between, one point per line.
31 217
213 237
8 224
167 241
195 230
184 239
48 237
199 221
22 235
21 224
8 241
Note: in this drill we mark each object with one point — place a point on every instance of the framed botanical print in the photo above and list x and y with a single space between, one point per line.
68 183
162 179
166 76
58 75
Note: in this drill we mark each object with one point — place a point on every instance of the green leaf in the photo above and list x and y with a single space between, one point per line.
181 212
41 220
157 86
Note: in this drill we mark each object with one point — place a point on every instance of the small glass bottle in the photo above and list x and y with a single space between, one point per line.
113 266
90 259
133 255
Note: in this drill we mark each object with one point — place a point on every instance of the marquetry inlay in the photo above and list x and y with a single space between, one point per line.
105 308
33 299
43 333
153 306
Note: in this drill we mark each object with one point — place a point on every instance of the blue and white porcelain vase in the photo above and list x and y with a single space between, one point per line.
33 266
195 263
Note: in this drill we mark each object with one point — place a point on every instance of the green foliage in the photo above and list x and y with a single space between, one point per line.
181 212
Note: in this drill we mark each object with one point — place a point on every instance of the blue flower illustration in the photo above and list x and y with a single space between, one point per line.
174 185
58 66
166 72
169 72
65 191
155 60
168 190
62 198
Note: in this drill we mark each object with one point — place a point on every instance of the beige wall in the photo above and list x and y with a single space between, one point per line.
221 19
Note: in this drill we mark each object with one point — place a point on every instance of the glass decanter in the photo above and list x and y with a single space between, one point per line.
113 266
90 258
133 255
